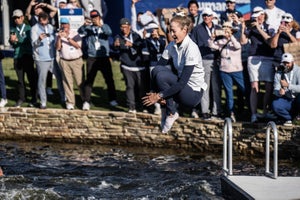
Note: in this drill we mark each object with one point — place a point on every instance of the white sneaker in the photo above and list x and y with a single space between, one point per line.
113 103
49 91
86 106
288 123
133 111
194 114
157 109
3 102
232 117
169 122
69 106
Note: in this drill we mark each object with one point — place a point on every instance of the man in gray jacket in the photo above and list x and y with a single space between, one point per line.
287 89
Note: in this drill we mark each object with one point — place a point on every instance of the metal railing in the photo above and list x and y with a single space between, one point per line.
227 147
272 125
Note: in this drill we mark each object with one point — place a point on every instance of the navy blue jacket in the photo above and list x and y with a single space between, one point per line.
131 57
200 36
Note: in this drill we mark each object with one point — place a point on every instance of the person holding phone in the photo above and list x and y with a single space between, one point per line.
68 44
260 62
23 61
231 68
96 36
42 40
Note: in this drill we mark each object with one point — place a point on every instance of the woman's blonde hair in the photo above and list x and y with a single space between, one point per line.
183 21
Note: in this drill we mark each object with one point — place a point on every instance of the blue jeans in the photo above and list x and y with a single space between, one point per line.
284 107
164 79
228 79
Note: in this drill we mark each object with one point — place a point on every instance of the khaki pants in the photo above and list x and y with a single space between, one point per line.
72 69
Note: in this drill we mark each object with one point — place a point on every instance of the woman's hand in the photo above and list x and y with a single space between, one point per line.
151 98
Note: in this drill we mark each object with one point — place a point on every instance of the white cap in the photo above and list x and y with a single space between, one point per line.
287 57
61 1
151 25
227 24
17 13
207 11
257 11
287 17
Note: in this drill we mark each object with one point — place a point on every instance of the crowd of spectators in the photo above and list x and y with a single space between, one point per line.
234 51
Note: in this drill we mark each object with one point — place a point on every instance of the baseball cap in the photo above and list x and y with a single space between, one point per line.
257 11
151 26
227 24
61 1
95 13
230 1
287 17
17 13
287 57
124 21
207 11
64 20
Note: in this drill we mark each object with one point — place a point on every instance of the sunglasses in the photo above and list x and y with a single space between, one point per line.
16 18
206 15
226 27
286 17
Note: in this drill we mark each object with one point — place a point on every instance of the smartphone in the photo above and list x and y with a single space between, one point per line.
219 32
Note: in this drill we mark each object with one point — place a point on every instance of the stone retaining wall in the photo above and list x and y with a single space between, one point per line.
121 128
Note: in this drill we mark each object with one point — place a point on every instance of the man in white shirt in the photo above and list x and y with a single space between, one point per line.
274 14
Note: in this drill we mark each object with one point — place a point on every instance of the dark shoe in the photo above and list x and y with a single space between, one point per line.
19 103
206 116
43 107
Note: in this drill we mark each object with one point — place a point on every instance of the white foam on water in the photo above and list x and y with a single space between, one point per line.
105 185
29 193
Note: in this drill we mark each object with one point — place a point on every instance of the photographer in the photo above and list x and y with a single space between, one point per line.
260 61
286 34
231 68
287 89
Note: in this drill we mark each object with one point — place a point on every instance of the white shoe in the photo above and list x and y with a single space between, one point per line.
69 106
169 122
232 117
86 106
157 109
113 103
49 91
3 102
288 123
133 111
194 114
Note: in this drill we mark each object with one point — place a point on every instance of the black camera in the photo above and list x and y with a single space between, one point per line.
252 20
281 69
47 34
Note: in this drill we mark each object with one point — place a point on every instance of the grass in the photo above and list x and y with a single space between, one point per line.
99 96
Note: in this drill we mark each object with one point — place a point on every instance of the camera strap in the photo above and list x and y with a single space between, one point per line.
223 47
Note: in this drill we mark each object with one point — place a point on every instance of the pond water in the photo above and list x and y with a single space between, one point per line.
35 170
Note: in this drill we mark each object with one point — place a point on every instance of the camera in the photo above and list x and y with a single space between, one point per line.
219 32
281 69
47 34
252 20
